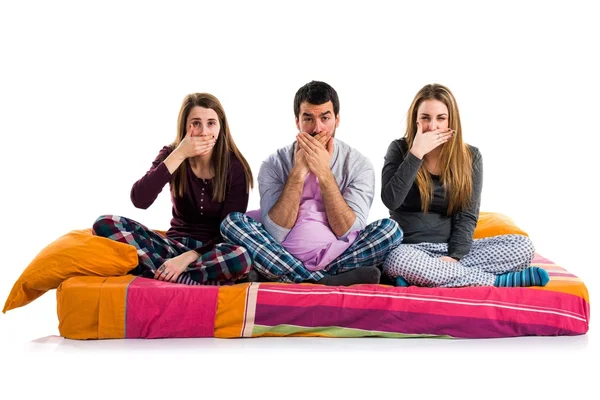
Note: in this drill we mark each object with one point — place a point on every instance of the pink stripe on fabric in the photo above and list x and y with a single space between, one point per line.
564 274
518 304
157 309
537 259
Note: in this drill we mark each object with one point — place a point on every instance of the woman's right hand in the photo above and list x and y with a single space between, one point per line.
193 146
425 142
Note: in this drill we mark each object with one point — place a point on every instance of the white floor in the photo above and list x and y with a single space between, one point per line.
38 362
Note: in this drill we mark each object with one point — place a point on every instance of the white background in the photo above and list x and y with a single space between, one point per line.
89 93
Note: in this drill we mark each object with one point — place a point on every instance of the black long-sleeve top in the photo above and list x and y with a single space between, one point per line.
400 195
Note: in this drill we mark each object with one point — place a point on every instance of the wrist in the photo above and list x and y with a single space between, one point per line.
179 155
192 256
326 178
417 153
296 175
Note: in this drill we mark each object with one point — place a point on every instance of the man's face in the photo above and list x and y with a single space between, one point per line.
315 119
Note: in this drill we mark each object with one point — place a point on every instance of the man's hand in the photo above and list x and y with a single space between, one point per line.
316 154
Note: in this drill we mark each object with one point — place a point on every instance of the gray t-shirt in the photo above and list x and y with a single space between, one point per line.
353 172
400 194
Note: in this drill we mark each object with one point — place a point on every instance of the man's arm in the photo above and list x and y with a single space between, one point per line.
280 197
285 211
339 215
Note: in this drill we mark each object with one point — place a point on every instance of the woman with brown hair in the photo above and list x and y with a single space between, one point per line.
431 183
209 178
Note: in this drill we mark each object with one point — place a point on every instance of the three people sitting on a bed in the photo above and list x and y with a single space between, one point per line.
315 196
208 179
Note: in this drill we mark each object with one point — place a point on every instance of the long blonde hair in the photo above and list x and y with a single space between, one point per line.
455 157
220 159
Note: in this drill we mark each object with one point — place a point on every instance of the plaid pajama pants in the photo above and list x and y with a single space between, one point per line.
223 265
420 264
272 260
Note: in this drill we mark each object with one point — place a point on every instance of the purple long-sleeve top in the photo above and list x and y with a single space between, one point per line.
196 214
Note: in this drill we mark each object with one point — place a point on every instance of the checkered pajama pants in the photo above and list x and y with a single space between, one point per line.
224 264
273 261
420 265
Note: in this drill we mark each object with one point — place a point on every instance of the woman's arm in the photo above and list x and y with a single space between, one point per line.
147 188
400 169
464 222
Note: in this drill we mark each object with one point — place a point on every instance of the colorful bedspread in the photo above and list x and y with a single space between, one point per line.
136 307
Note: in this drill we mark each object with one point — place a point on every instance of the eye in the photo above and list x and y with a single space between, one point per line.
326 118
196 124
307 119
211 123
425 118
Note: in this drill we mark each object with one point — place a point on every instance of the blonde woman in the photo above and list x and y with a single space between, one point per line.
431 183
209 178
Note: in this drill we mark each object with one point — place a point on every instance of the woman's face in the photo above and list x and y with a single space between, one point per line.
432 115
203 122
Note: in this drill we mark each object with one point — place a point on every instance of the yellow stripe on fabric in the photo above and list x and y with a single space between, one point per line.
330 331
231 308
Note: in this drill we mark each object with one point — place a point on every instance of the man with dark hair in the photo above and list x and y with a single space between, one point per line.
315 196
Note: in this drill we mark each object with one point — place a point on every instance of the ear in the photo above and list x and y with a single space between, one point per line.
298 124
337 120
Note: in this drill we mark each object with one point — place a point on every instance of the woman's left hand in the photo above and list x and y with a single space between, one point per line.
173 267
448 259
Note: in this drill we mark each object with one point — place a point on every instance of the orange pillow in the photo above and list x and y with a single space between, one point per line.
76 253
494 224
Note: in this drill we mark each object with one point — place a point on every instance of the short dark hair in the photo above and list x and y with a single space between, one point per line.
316 92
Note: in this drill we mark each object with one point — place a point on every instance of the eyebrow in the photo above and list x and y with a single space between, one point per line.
200 119
439 115
307 114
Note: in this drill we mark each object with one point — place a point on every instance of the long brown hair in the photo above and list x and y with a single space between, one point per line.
220 159
455 156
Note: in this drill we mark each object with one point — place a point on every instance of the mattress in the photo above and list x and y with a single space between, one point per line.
92 307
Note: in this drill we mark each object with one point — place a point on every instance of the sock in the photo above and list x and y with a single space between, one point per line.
400 281
358 275
253 276
532 276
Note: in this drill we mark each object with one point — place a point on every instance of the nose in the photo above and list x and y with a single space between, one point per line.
319 126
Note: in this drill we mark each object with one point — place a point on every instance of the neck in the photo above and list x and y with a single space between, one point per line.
434 154
201 162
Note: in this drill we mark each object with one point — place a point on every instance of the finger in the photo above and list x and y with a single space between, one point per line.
440 130
310 142
168 276
204 146
203 139
161 276
305 144
301 142
323 137
159 271
419 128
175 277
190 131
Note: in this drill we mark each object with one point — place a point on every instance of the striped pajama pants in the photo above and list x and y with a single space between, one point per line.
273 261
420 264
222 265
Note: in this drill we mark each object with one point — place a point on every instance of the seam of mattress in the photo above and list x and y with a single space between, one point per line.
125 311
